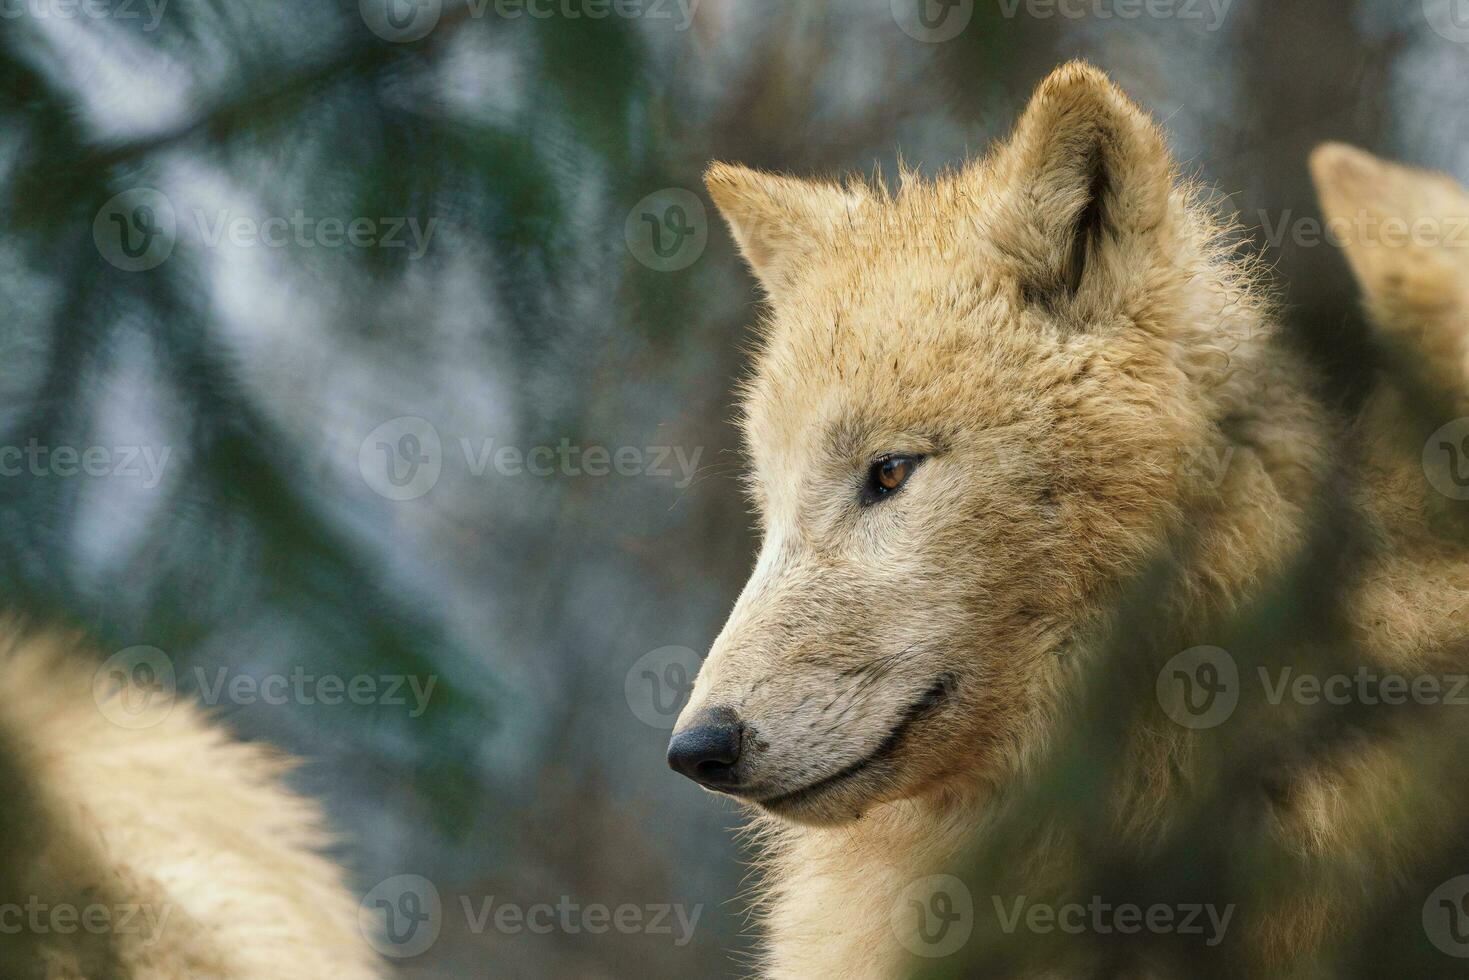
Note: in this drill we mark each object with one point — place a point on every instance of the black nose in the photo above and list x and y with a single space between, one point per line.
708 750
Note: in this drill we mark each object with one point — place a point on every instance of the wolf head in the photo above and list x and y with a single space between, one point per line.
979 404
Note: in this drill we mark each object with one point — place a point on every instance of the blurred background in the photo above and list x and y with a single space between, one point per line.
397 340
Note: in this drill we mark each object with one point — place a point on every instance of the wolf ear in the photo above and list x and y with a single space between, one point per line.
1396 224
776 219
1090 177
1406 235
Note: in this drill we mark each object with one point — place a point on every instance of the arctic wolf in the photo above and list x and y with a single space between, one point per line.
157 848
983 406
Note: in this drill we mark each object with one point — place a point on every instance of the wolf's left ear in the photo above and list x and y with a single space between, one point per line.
1090 178
777 220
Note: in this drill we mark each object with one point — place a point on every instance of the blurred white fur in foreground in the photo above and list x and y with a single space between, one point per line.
156 852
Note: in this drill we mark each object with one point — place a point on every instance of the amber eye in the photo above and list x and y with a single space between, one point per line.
887 476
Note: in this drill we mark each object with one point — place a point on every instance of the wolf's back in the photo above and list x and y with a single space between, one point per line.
157 851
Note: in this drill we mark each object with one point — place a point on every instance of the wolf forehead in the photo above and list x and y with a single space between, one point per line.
885 309
899 328
848 389
890 317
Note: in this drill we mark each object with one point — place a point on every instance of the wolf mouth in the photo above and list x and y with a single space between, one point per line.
925 705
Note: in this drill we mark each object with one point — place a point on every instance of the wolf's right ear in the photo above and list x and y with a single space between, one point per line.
1406 235
776 219
1090 177
1405 230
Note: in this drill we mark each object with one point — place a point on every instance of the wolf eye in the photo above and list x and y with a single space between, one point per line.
887 475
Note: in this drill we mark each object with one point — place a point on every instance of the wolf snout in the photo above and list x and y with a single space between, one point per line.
708 749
